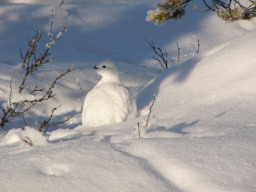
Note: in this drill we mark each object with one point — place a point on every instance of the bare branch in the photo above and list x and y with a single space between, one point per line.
178 51
61 3
31 63
28 141
46 123
10 110
138 124
37 89
162 58
49 93
150 111
198 46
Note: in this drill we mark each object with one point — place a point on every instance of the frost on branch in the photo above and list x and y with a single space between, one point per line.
228 10
235 14
170 9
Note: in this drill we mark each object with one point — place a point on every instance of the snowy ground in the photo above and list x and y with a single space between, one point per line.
202 130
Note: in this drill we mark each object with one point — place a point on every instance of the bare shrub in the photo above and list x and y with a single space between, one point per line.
161 56
150 111
32 62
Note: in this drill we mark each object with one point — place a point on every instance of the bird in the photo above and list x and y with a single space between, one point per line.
109 101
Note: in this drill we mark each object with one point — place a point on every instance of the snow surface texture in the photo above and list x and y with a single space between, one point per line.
201 134
109 101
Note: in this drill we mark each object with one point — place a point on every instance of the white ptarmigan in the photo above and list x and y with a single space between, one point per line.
109 101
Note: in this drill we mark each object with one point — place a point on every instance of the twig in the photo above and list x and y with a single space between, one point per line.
28 141
37 89
11 108
51 27
46 125
32 65
80 87
138 129
10 94
61 3
198 46
178 52
150 111
49 93
162 58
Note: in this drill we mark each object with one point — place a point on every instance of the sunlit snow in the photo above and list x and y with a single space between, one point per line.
201 132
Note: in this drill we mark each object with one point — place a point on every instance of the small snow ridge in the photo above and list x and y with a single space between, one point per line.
62 134
57 169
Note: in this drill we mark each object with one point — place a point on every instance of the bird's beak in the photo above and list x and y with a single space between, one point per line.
95 67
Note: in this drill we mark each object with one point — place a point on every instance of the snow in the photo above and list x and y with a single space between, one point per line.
15 136
201 133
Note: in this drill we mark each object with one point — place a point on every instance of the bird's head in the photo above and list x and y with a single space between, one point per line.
108 71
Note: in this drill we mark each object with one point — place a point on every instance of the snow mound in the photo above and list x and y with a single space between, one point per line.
24 136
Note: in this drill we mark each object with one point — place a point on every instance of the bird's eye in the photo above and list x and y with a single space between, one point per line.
104 66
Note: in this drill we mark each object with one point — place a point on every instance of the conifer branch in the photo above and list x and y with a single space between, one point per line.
228 10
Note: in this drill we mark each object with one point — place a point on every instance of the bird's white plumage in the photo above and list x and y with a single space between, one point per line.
109 101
